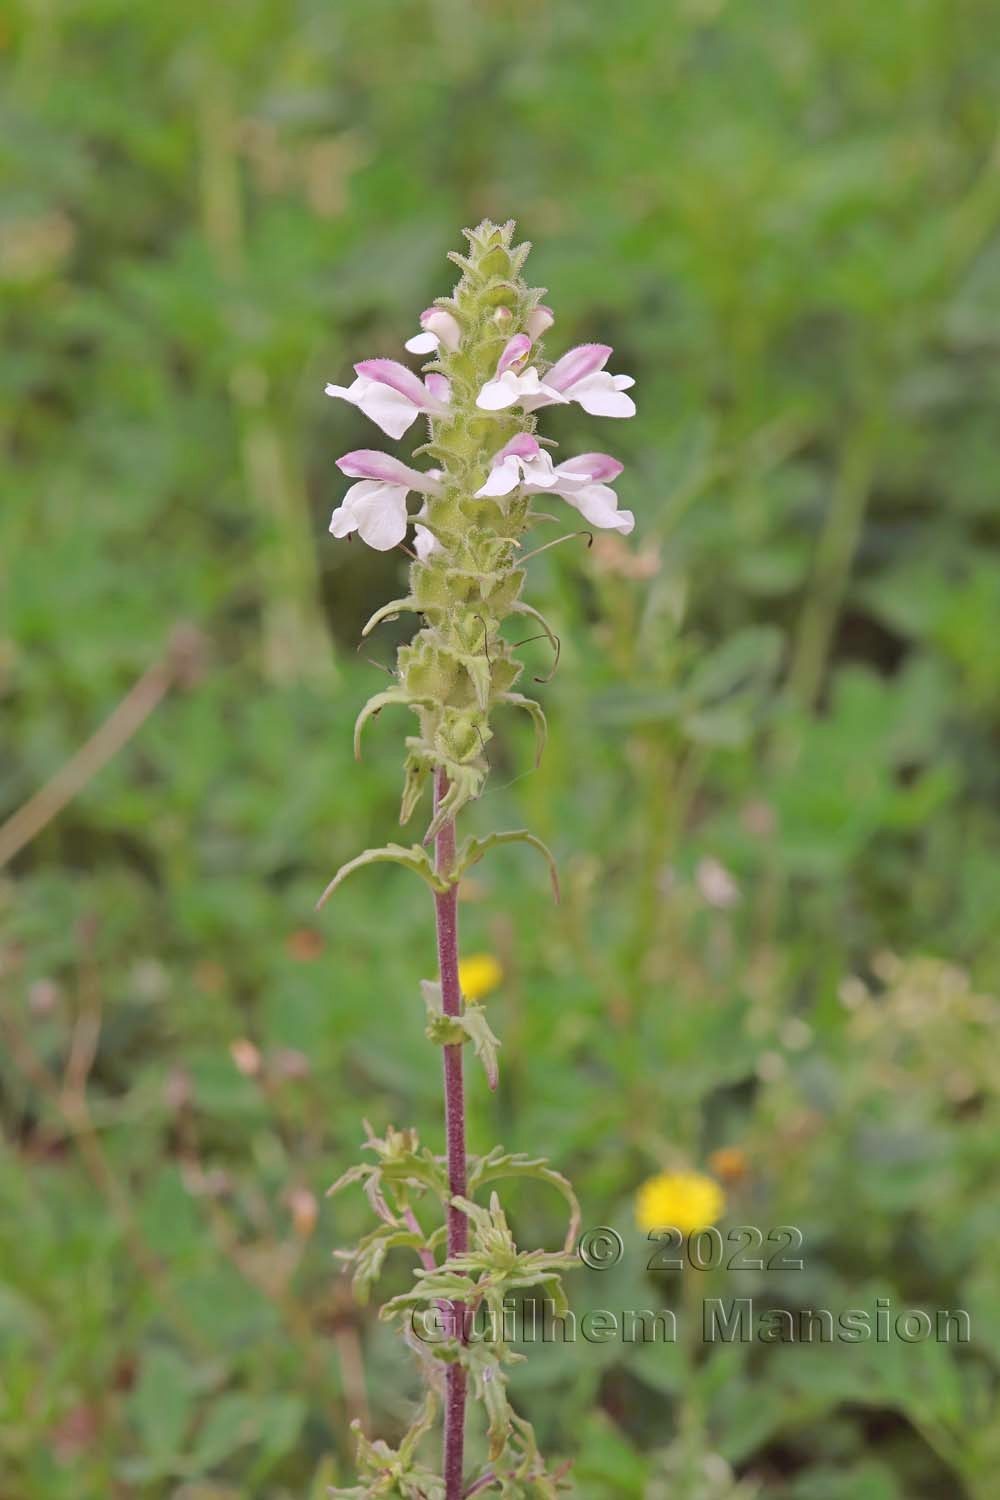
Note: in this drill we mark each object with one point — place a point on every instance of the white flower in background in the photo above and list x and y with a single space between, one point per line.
376 508
392 395
439 327
716 884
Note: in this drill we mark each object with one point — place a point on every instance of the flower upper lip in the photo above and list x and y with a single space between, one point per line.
393 396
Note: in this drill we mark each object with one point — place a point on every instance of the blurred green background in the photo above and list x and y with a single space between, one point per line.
772 778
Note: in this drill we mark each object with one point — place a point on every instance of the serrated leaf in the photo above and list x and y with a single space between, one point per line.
486 1043
471 1026
498 1164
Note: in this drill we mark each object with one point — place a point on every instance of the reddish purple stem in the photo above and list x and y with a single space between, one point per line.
446 909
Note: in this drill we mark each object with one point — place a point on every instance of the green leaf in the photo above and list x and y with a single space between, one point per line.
498 1164
725 689
161 1404
490 1386
534 710
413 858
471 1025
473 850
746 661
237 1420
465 782
375 706
368 1256
486 1043
389 611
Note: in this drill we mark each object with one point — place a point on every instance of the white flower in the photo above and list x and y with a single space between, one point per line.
580 482
424 542
513 383
439 327
580 376
521 460
392 395
376 508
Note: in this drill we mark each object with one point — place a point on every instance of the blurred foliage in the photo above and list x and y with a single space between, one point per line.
772 764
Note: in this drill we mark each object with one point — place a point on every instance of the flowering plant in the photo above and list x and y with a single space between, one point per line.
480 390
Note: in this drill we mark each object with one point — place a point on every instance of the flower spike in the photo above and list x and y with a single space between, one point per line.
487 377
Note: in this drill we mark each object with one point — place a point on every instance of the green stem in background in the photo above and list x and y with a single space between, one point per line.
835 552
295 642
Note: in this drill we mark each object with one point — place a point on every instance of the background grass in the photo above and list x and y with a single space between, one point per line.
772 775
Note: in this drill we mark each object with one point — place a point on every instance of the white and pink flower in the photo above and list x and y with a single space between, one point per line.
579 376
376 507
516 381
539 321
393 396
439 327
581 481
521 461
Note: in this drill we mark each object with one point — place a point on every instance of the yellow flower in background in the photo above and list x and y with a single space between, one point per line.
683 1200
479 975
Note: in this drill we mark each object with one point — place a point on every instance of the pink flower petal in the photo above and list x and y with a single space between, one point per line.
539 320
515 350
369 463
522 445
425 543
599 505
599 467
576 364
390 372
443 325
384 405
439 387
497 395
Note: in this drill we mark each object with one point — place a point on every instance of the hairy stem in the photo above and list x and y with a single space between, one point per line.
446 910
